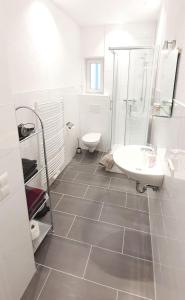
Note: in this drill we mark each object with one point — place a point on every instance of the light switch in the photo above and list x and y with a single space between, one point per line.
3 179
4 186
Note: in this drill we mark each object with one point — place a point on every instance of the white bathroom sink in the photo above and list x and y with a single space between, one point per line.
134 161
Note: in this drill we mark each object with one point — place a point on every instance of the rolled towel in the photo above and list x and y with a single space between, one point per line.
107 161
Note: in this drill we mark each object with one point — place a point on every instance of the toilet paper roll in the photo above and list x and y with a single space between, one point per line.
34 228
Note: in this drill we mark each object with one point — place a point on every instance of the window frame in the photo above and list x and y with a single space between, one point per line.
88 62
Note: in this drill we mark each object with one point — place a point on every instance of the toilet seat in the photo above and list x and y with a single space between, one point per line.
91 137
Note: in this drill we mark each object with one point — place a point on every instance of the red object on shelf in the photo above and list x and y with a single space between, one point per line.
35 197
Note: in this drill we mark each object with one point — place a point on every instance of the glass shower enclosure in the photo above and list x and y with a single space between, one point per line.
131 95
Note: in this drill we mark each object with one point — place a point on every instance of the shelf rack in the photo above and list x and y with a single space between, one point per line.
44 228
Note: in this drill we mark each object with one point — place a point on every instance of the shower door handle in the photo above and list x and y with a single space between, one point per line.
130 103
129 100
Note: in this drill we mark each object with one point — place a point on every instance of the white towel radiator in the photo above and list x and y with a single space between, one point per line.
52 114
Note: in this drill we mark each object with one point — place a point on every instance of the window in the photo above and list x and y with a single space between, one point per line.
94 75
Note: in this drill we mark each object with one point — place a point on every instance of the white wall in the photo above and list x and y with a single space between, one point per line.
43 52
168 207
16 254
94 114
96 41
45 59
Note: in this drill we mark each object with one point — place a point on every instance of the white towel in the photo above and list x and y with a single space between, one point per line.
107 161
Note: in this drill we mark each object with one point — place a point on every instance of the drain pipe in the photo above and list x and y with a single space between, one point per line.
142 189
139 189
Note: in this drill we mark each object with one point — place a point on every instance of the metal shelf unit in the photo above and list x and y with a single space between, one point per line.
44 228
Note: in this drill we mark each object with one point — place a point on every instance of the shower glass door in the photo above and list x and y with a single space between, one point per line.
131 96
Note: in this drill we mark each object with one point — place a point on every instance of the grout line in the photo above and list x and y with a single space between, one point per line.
69 181
85 193
99 202
95 186
59 201
101 211
88 200
135 209
108 187
94 173
107 286
94 282
70 227
77 173
58 193
153 262
44 284
123 240
85 183
139 258
71 239
87 262
126 200
104 222
117 295
99 247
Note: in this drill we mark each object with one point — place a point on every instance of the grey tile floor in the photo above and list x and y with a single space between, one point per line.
101 245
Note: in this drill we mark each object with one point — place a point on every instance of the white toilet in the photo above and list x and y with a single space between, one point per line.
91 140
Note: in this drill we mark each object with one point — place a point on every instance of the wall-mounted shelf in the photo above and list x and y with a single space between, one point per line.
30 136
44 228
35 175
40 206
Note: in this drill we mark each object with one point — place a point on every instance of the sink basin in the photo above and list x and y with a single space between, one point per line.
133 160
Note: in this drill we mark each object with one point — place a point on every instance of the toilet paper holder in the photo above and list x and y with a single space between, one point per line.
69 125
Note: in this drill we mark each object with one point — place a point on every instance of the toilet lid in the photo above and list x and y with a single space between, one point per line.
91 137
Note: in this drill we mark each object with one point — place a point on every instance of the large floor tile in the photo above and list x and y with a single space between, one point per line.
80 207
137 244
62 222
171 208
157 225
169 283
155 206
91 157
34 288
63 254
69 188
65 287
174 228
106 196
96 233
67 175
84 168
78 157
124 185
92 179
125 296
155 252
55 198
171 252
137 202
126 217
121 271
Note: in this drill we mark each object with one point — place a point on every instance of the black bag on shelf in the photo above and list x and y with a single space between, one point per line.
29 168
41 213
24 130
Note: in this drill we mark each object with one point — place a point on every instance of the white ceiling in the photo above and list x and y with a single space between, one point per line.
99 12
